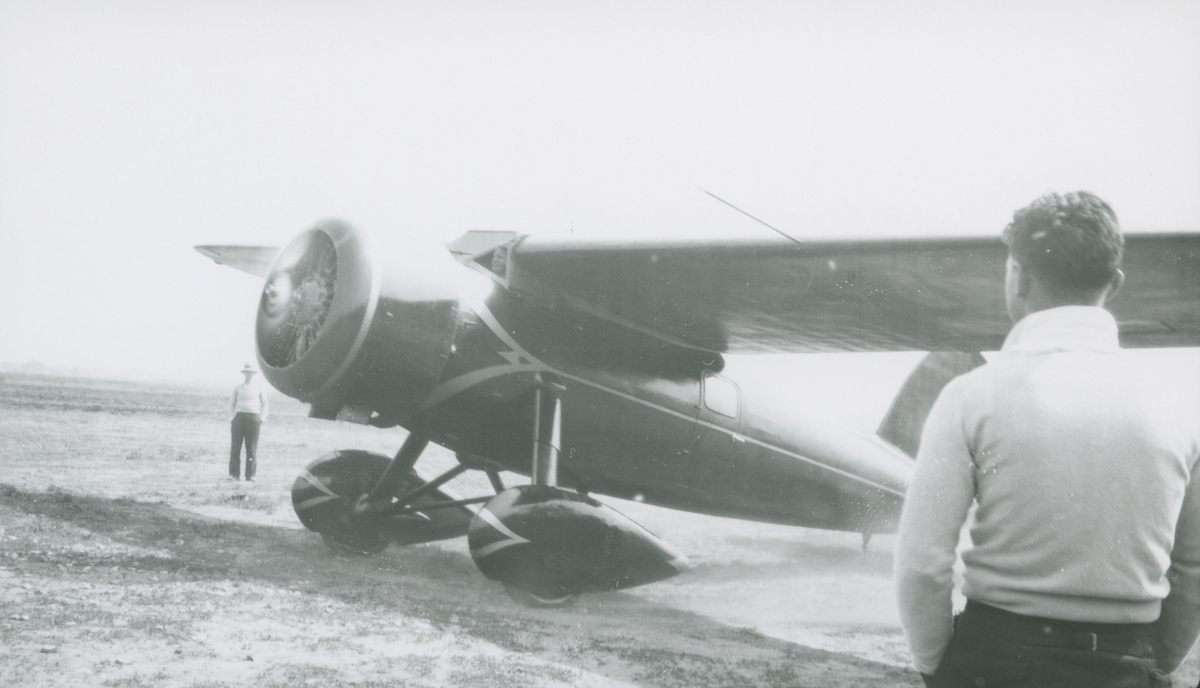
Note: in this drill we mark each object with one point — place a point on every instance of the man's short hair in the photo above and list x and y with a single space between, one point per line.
1071 242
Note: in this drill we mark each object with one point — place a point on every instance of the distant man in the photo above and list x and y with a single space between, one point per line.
1084 568
247 411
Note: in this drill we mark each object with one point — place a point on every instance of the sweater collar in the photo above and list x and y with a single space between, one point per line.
1066 328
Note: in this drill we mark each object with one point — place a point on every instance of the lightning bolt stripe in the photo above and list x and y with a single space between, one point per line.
316 482
466 381
485 314
310 503
511 538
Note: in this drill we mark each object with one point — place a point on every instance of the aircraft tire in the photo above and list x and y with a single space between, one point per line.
325 494
528 599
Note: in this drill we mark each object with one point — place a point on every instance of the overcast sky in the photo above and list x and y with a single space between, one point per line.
130 131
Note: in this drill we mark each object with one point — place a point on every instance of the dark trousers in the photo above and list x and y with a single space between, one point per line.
995 648
244 428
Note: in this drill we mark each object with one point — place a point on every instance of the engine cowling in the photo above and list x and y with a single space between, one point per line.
357 331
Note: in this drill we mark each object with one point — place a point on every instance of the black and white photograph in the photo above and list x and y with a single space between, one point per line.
602 344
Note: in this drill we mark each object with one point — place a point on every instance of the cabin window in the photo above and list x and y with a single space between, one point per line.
720 396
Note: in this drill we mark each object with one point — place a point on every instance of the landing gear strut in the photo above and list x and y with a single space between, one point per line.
548 545
398 470
547 433
359 502
547 438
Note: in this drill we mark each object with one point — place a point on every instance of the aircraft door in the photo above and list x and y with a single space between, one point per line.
716 443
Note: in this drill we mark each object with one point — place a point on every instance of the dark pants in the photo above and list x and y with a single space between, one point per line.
995 648
244 427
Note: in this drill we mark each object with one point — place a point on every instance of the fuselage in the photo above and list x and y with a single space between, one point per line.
644 420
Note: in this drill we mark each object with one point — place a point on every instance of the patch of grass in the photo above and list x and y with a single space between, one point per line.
506 634
91 610
327 644
777 673
487 672
420 665
184 454
168 453
245 500
207 529
293 675
137 681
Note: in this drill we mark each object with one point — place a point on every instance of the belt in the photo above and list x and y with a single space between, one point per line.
1130 639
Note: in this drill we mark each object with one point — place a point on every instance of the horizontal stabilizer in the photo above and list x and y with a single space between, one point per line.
254 260
906 418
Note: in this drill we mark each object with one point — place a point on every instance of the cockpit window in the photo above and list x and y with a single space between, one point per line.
720 396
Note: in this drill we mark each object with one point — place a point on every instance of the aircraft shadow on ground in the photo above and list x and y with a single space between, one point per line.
799 559
618 635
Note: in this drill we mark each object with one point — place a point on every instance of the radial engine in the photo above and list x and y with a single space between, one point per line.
360 334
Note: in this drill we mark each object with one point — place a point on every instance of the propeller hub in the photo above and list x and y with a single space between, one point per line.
297 298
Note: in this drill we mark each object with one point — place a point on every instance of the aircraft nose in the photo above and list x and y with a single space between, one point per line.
297 298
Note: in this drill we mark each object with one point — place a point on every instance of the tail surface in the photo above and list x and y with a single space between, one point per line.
904 420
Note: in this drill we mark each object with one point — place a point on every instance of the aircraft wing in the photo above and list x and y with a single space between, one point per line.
841 295
254 260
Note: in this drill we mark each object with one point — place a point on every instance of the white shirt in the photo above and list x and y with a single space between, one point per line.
248 398
1083 471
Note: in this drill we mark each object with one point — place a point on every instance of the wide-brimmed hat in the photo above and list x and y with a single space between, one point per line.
248 368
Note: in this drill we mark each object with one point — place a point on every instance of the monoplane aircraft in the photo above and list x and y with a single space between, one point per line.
596 367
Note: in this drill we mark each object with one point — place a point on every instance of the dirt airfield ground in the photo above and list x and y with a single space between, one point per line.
126 559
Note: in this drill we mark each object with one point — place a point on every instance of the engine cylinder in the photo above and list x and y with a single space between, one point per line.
342 324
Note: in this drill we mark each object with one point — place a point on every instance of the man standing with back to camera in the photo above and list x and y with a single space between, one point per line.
247 411
1084 568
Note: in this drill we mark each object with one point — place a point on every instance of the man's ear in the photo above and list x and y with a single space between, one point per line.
1114 286
1023 279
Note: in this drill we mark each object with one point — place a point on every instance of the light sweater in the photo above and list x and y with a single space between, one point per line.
248 398
1083 471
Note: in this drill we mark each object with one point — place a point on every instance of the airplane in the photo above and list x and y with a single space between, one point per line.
595 366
